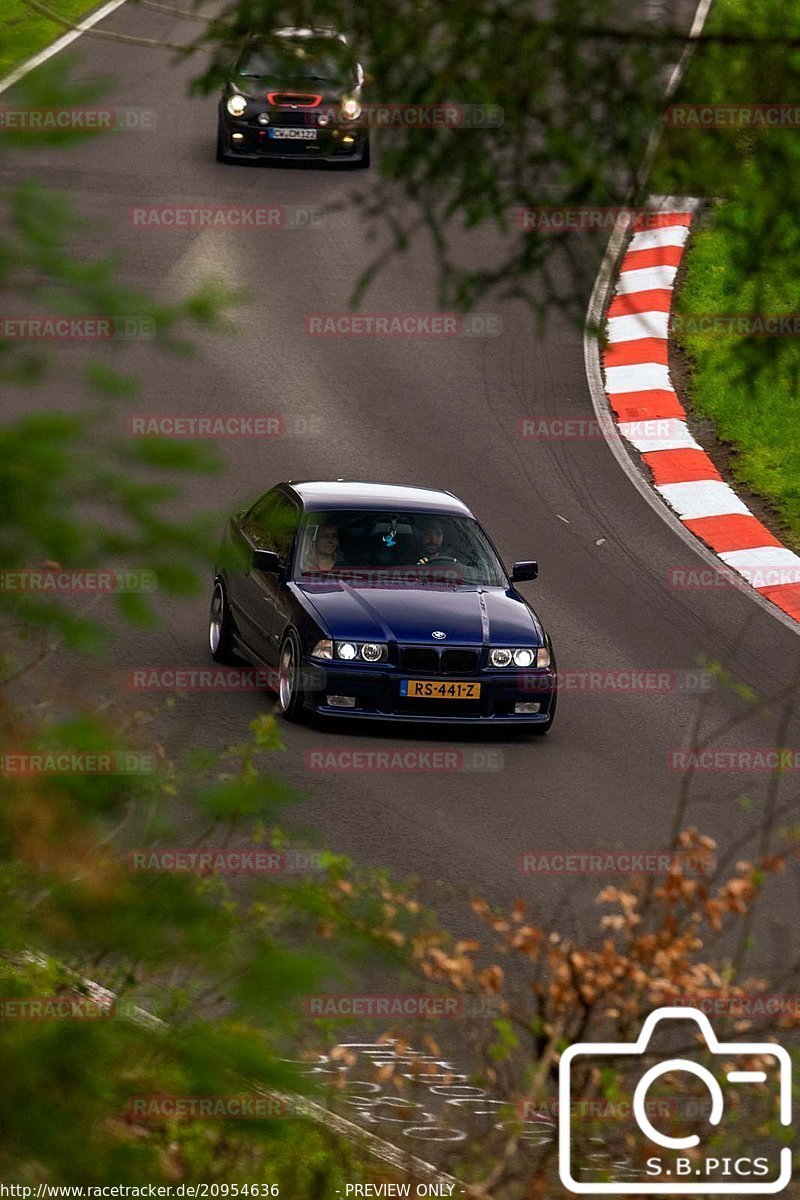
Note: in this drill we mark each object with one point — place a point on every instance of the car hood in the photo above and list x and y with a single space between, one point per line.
467 616
258 89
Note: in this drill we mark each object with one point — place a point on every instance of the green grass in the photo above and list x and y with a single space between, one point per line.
749 387
747 262
24 32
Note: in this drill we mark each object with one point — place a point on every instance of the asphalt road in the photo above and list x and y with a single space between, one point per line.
440 412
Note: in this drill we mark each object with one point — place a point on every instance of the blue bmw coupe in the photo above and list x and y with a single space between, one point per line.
383 602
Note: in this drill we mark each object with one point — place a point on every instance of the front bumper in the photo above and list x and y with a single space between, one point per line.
377 695
255 141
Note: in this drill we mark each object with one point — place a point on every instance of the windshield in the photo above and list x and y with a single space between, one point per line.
315 62
386 548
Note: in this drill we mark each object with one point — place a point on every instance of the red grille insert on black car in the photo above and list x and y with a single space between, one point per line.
294 99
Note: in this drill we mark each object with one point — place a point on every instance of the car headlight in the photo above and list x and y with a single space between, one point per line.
236 105
373 652
524 656
346 650
351 109
323 649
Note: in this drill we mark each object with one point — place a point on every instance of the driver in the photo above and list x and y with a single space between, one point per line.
322 555
433 543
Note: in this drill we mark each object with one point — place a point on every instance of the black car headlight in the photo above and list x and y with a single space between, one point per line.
522 656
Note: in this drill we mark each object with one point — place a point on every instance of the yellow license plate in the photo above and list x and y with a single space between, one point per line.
439 689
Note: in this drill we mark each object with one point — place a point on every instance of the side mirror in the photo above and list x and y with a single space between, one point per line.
266 560
524 570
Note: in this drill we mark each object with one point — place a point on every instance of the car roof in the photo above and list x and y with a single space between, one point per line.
343 493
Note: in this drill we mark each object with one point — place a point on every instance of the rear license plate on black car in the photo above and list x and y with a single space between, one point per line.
439 689
297 135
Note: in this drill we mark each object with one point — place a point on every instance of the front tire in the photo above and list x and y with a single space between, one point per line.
290 695
220 632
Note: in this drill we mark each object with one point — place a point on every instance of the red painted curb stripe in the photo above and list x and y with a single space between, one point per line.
649 405
727 532
680 466
732 532
641 350
659 256
786 596
654 300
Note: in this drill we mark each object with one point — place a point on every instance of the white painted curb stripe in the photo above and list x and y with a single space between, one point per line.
646 280
638 325
665 433
653 239
702 498
637 378
777 564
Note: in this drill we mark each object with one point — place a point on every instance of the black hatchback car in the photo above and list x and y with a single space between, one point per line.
380 601
296 95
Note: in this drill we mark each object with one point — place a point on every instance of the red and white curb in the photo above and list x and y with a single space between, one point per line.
650 416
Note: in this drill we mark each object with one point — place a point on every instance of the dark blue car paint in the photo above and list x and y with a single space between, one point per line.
266 607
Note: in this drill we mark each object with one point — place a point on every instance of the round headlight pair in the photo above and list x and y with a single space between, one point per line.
236 105
522 657
370 651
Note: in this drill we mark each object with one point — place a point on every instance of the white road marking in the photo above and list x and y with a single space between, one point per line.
60 44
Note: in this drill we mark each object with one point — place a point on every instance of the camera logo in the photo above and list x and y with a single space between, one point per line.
673 1165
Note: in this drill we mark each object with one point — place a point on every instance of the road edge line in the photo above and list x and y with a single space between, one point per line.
59 44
